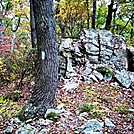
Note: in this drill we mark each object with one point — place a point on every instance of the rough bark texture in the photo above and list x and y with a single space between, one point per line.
88 15
32 24
94 14
43 96
109 16
114 16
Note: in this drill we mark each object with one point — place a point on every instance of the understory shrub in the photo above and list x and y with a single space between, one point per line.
92 110
17 66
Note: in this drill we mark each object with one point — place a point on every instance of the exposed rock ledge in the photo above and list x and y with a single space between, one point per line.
100 51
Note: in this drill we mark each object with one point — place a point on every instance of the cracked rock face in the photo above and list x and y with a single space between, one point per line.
96 47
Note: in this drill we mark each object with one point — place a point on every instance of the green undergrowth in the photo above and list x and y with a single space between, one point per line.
92 109
52 116
8 108
106 95
17 67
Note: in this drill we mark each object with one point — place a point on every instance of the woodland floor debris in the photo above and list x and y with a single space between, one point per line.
107 101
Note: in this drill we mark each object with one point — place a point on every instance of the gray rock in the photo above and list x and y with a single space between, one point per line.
131 75
84 114
44 122
98 75
65 44
50 111
93 77
93 58
15 120
87 71
44 130
26 129
9 130
109 123
96 47
70 85
123 78
90 127
114 84
60 106
91 48
86 78
131 109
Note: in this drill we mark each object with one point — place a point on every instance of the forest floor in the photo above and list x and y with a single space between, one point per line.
106 101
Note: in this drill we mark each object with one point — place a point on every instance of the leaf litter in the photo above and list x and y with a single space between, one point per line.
106 101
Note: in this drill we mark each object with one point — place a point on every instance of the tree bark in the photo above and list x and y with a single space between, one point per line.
114 16
43 96
109 16
88 15
32 24
132 31
94 14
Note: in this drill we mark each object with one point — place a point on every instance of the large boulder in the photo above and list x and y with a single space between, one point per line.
104 47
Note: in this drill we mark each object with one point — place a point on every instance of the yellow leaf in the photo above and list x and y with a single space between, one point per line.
95 103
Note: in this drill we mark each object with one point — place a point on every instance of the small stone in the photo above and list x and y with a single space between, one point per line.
131 110
27 129
114 84
123 78
29 121
15 120
50 111
98 75
60 106
90 127
70 85
45 122
93 77
84 114
87 71
9 130
44 130
109 123
76 132
21 130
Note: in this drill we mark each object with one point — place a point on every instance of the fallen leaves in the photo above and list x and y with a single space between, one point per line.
107 101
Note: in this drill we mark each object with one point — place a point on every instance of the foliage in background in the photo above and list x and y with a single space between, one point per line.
17 66
71 17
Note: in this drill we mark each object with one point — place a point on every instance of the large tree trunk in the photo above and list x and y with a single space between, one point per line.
43 96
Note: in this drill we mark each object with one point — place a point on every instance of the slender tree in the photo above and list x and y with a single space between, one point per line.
32 24
43 96
114 17
109 16
94 14
88 15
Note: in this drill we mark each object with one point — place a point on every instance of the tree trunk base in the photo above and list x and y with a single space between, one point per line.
30 111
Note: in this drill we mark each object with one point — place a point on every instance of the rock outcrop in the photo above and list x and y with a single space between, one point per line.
96 48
